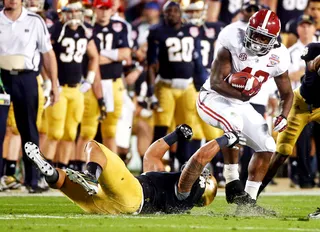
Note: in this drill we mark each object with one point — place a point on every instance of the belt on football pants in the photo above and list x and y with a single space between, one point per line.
70 85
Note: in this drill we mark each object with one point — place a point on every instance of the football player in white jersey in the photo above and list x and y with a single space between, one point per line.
255 51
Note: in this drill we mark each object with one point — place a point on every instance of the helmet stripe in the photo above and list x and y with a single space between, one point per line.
266 19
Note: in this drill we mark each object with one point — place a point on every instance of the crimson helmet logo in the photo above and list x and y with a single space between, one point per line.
267 21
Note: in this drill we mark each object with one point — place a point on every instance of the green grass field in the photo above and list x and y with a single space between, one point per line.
59 214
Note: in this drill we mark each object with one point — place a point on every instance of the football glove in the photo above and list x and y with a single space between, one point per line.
103 109
280 123
47 86
85 86
184 131
235 138
249 90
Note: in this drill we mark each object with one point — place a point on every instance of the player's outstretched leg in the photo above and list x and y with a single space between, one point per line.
88 181
315 215
34 154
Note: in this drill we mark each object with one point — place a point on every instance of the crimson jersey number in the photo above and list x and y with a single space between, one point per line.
261 75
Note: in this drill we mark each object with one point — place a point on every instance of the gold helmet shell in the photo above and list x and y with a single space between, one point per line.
209 183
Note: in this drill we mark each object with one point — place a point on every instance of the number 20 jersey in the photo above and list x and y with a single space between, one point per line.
69 52
174 50
273 64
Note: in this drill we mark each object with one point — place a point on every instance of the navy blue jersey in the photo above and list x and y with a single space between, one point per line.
229 9
208 34
112 36
174 50
310 86
290 9
69 49
159 193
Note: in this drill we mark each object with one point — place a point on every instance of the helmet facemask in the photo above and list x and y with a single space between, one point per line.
73 14
194 12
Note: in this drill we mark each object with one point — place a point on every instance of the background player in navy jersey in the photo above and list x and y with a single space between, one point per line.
107 186
305 108
174 57
111 38
71 39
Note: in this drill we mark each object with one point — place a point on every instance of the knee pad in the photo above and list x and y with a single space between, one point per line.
285 148
270 144
88 132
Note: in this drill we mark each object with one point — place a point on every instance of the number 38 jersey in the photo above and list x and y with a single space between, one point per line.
273 64
112 36
174 50
69 51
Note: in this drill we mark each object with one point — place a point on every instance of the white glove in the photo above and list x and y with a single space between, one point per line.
47 86
280 123
85 86
235 138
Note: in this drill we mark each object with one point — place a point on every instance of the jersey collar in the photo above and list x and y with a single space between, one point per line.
21 17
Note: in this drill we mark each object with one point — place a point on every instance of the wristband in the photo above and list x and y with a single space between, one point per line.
111 54
101 102
90 77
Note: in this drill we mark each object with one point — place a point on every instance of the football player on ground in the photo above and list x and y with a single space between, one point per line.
112 42
174 56
255 51
71 40
305 109
107 186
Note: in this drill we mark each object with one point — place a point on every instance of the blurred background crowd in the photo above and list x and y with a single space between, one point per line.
126 125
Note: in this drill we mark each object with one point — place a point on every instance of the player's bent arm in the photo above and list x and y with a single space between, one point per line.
285 91
152 160
221 68
118 54
96 86
93 56
214 7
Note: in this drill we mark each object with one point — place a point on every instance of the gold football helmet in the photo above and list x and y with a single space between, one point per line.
210 184
194 11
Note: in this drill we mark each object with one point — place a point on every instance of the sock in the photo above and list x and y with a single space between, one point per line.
222 141
171 138
194 145
11 167
4 161
94 169
231 172
79 165
72 165
252 188
181 196
141 170
62 166
54 178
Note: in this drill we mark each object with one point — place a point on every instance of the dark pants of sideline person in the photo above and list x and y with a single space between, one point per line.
247 151
3 123
23 89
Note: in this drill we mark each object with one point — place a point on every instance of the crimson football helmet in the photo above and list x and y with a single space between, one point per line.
262 32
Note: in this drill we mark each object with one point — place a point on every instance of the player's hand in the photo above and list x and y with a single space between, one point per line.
54 95
153 103
235 138
280 123
47 86
103 109
184 131
85 86
249 90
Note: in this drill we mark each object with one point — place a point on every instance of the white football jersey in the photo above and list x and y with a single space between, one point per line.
275 63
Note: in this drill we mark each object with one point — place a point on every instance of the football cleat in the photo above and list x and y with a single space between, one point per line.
85 179
315 215
9 182
33 152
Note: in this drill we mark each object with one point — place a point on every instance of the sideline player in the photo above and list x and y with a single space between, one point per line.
255 51
305 109
108 187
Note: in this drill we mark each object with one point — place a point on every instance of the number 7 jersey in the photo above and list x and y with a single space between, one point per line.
69 50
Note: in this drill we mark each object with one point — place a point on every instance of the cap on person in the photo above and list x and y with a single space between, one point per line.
305 19
102 3
151 6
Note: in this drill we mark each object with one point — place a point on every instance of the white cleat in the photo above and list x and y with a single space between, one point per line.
87 181
38 159
315 215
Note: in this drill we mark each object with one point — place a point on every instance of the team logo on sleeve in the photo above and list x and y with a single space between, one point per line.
274 60
194 31
88 32
305 51
210 33
117 27
243 56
